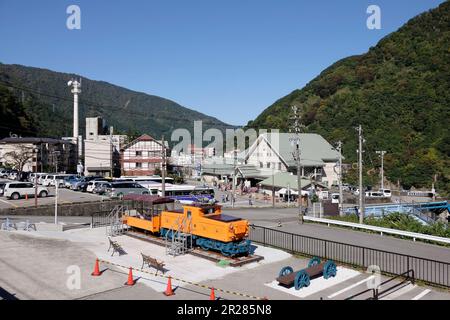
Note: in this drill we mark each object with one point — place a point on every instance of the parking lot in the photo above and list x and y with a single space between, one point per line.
64 196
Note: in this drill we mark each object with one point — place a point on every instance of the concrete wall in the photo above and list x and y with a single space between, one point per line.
69 209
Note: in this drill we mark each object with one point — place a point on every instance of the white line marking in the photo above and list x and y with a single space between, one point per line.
350 287
8 203
422 294
398 292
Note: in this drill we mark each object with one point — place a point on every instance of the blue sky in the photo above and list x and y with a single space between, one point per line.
229 59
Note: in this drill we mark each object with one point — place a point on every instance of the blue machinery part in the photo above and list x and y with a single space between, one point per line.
302 278
285 271
229 249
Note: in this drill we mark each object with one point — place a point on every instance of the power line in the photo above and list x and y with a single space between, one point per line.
96 105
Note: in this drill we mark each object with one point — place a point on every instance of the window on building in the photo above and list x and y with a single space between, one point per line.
268 165
138 153
261 165
138 165
279 166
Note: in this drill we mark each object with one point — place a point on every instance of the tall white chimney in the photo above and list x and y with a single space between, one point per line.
76 89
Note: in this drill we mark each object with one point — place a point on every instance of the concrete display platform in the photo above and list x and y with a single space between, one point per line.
186 267
317 284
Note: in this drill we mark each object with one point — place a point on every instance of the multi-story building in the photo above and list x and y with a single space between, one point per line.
38 154
101 150
142 156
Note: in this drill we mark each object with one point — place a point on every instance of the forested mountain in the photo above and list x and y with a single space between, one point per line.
47 102
399 91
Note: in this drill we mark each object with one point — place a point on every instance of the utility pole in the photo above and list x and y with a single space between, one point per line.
233 196
297 128
163 169
56 201
42 160
382 153
36 150
361 191
341 197
111 151
273 187
289 195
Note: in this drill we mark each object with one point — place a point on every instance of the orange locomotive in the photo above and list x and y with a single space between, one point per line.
210 228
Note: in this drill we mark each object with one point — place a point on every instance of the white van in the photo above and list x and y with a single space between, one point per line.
386 192
335 198
17 190
374 194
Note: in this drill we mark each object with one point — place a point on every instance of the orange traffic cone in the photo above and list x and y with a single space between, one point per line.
96 272
130 281
169 292
212 296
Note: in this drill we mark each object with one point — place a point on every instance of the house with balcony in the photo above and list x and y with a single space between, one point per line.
143 156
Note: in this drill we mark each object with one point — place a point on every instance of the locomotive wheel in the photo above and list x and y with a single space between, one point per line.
329 269
314 261
301 280
285 271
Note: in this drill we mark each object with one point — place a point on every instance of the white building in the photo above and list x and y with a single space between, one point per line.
101 150
274 152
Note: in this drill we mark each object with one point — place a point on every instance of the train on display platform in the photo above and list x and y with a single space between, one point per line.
209 227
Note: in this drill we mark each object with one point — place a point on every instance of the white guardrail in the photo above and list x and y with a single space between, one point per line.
382 230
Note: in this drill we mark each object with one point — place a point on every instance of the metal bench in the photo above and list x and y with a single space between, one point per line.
152 262
115 246
287 277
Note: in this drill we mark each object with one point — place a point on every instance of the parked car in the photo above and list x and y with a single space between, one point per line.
45 181
17 190
386 192
42 177
59 180
4 173
374 194
24 176
101 187
335 198
68 181
13 175
2 188
92 184
120 189
79 185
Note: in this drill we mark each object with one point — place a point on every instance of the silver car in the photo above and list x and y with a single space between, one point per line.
120 189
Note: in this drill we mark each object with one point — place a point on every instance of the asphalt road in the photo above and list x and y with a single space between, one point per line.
269 217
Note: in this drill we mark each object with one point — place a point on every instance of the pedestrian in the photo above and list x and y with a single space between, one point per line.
227 198
223 198
250 200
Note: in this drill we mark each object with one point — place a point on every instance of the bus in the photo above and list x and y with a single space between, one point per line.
138 179
187 194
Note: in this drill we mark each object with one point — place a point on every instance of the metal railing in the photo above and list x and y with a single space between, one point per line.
381 230
390 263
100 219
406 277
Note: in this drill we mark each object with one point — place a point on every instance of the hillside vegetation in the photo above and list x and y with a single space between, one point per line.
47 101
399 91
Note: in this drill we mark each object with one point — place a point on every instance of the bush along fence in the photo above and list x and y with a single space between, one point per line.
429 271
